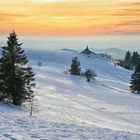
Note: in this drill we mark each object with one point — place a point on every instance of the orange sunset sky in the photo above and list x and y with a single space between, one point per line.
70 17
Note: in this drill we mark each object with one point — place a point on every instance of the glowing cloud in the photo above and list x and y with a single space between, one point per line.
64 17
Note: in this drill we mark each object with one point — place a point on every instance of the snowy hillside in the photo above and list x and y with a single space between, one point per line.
67 107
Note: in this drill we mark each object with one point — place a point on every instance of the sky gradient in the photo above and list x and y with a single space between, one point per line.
70 17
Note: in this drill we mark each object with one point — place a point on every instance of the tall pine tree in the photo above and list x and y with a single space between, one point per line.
135 58
135 80
16 78
127 60
75 66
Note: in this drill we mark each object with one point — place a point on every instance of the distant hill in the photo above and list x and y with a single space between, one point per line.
68 50
114 52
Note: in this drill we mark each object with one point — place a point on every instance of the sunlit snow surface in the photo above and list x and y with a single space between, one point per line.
67 107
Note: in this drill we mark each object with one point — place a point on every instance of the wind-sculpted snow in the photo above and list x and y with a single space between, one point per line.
18 126
67 107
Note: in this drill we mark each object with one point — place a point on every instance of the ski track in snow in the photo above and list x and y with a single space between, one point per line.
67 107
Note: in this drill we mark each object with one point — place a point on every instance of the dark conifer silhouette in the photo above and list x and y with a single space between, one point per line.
135 58
16 78
135 80
127 60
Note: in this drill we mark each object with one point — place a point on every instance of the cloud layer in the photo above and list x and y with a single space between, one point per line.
61 17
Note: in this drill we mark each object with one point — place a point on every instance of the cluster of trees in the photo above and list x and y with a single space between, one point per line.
75 69
87 51
16 78
130 60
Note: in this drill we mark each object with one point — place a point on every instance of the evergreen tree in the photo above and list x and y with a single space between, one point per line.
135 80
16 78
75 66
127 60
135 58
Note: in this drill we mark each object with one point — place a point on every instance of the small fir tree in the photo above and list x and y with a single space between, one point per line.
75 66
16 78
135 80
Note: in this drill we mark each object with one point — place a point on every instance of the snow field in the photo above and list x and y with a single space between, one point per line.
67 107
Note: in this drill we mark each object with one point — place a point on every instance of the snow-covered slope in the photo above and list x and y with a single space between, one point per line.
67 107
